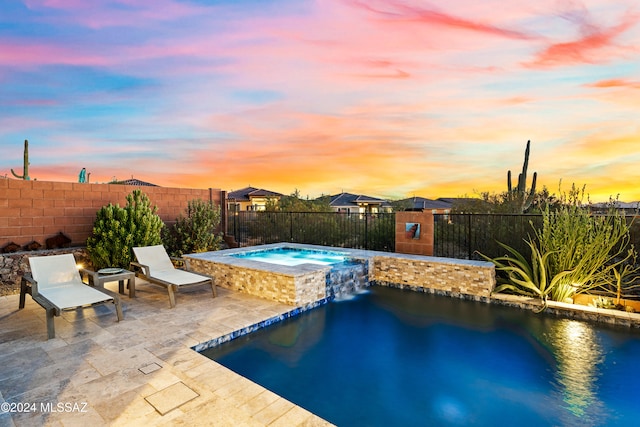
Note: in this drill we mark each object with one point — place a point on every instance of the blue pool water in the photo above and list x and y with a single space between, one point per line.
399 358
293 256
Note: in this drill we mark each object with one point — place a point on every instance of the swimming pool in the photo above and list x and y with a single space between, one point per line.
393 357
293 256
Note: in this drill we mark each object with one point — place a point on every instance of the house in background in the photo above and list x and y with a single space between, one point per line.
358 203
423 204
250 199
135 182
629 208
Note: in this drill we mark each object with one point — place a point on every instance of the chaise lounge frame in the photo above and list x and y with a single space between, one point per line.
62 295
155 265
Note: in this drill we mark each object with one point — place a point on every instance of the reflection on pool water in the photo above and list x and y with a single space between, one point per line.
292 256
393 357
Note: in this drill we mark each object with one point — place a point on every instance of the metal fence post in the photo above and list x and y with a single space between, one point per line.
469 236
291 226
366 230
235 226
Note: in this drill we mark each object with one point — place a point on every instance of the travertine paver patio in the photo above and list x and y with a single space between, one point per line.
140 371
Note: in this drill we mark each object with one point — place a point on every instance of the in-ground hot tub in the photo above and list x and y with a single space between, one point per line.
308 282
293 274
292 256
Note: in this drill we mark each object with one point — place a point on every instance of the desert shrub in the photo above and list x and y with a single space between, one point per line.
593 247
574 251
195 231
117 230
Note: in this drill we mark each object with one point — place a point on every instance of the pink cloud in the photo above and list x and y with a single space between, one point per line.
23 53
399 11
597 43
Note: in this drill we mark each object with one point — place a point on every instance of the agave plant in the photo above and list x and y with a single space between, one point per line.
574 252
530 279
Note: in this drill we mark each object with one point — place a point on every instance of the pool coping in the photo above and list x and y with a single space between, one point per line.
569 310
200 347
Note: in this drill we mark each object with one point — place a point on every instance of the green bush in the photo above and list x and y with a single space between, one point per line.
195 231
117 230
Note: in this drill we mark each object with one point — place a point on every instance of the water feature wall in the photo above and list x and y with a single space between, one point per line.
347 278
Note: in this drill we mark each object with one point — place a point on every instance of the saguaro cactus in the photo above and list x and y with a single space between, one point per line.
520 192
25 166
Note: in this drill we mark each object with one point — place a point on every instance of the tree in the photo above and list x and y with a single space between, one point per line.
294 203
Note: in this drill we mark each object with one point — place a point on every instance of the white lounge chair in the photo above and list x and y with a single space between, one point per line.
56 285
155 266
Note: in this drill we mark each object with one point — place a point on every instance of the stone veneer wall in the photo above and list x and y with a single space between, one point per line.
295 290
455 277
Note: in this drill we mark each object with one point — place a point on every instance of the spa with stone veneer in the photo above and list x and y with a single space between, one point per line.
308 283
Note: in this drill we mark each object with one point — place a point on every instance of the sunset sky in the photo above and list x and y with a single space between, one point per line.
389 98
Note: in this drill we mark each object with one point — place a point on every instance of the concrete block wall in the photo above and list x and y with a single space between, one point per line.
37 210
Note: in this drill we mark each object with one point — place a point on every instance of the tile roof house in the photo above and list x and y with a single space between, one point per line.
629 208
424 204
250 199
134 182
358 203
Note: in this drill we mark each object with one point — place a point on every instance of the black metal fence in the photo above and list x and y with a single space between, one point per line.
466 236
358 231
462 236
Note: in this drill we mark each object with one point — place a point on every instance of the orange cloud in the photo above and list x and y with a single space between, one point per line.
615 83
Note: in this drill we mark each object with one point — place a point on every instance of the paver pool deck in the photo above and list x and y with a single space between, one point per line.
140 371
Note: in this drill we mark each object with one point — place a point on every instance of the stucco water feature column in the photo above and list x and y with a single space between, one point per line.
414 233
